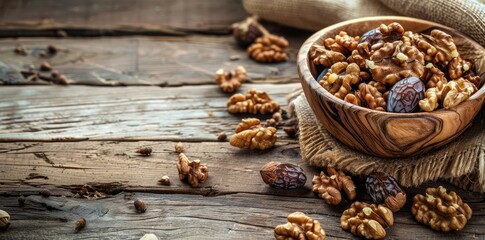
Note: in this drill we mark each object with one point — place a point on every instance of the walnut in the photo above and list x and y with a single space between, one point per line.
322 56
437 47
440 210
299 227
391 31
457 91
194 171
379 86
395 61
457 67
433 75
342 43
269 48
432 98
372 97
356 58
354 98
340 77
253 102
328 187
367 220
250 134
231 81
476 80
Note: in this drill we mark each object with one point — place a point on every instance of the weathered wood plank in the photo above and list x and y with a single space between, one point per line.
78 17
174 216
71 165
54 113
161 61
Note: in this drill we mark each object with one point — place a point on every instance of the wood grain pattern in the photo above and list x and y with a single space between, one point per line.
176 216
113 17
70 165
389 134
57 113
159 61
234 203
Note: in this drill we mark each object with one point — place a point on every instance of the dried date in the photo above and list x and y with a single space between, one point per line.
383 188
404 96
283 175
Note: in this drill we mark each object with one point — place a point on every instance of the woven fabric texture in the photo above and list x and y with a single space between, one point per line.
461 162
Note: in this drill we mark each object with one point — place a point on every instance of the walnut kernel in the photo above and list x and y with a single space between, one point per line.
269 48
253 102
194 171
367 220
328 187
457 91
299 227
231 81
441 210
250 134
322 56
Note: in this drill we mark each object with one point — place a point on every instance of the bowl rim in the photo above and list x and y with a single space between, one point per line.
303 67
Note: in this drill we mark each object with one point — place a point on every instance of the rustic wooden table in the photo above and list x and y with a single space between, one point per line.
153 89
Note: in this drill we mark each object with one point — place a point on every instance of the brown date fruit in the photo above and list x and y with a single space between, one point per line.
404 96
371 36
322 74
384 189
283 175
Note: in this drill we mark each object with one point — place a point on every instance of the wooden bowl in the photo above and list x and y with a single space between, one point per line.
387 134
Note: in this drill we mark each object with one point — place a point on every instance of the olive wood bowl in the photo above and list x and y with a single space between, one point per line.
387 134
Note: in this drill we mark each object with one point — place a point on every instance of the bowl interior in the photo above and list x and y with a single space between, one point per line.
468 49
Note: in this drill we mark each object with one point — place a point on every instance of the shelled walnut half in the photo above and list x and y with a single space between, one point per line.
269 48
328 187
250 134
231 81
441 210
254 102
367 220
194 171
299 227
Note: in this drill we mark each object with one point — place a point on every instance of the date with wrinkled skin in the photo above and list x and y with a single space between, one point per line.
283 175
404 96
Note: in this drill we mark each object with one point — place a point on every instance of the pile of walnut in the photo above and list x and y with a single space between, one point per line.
299 227
263 46
389 69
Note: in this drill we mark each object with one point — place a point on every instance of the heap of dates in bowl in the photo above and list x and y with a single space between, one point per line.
393 86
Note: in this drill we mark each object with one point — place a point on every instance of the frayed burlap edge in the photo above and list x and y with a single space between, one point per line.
461 162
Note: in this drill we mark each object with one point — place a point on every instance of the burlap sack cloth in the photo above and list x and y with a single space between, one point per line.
461 162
